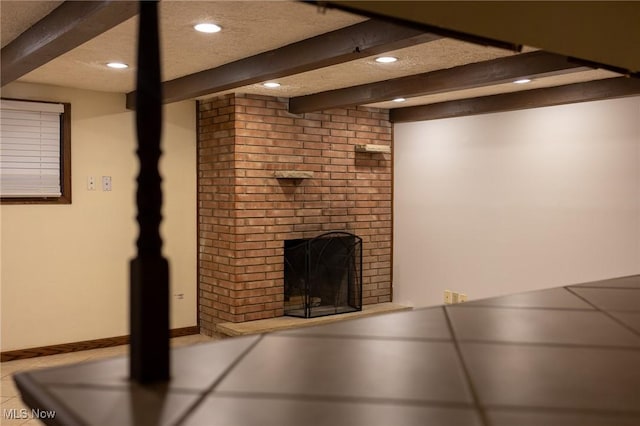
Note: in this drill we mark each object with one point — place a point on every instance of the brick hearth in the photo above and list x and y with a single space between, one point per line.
245 212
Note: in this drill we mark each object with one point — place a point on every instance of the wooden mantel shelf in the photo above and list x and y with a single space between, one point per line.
378 149
293 174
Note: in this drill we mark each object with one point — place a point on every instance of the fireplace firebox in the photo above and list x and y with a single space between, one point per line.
323 275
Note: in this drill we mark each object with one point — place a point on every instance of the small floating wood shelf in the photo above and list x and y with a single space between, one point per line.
377 149
293 174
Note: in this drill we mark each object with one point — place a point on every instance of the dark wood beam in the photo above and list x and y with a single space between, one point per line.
342 45
384 14
602 32
572 93
502 70
66 27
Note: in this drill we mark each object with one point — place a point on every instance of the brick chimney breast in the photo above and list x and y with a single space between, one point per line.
245 212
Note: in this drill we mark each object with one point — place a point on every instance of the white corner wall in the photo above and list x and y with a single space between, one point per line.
64 268
509 202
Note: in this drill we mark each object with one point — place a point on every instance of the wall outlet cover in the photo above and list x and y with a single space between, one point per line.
106 183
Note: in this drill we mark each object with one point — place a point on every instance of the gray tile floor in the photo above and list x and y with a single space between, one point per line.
564 356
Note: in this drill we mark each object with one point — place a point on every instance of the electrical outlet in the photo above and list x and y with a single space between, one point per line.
91 183
106 183
452 297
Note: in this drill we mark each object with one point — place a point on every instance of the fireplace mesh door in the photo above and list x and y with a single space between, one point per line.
323 275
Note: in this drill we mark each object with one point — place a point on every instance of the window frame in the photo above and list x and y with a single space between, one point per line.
65 160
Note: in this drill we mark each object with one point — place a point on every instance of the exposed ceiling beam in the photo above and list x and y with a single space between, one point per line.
66 27
502 70
602 32
384 15
572 93
342 45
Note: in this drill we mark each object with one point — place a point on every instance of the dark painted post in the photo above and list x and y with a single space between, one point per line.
149 297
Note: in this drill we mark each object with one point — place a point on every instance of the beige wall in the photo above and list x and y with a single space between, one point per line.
64 268
508 202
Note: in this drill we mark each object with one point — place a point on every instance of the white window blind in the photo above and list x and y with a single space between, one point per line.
30 149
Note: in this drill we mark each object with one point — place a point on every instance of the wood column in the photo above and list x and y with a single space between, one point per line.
149 271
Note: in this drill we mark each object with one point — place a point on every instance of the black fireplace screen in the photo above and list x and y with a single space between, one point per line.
323 275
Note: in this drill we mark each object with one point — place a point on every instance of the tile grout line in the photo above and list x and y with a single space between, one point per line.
328 335
603 287
216 382
347 399
475 305
560 410
598 283
551 344
619 322
465 370
463 340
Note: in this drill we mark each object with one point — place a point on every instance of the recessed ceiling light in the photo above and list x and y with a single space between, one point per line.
386 59
117 65
207 28
522 81
271 84
399 100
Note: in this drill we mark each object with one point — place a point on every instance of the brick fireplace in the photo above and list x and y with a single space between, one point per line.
246 212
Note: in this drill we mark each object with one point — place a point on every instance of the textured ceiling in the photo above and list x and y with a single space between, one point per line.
439 54
249 28
17 16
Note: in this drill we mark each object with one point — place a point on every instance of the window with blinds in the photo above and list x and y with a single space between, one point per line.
31 149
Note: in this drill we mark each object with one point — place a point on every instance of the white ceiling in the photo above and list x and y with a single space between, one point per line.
249 28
